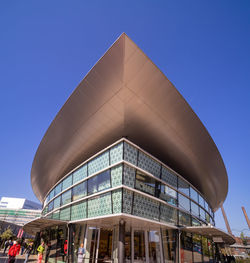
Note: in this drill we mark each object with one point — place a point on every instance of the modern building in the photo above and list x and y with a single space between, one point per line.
128 169
16 212
18 203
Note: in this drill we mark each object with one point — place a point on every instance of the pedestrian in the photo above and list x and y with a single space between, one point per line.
40 253
14 251
28 252
6 244
10 243
47 252
81 254
23 246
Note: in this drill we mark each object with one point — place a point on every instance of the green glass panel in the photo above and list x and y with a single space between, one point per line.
80 174
127 201
79 211
169 177
116 153
145 207
148 164
100 205
129 176
130 153
116 176
117 201
99 163
65 213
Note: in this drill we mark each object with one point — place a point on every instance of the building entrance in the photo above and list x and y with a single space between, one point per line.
98 245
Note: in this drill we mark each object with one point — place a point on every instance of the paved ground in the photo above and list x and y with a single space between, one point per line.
19 258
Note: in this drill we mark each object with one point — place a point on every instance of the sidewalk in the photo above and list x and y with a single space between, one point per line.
19 258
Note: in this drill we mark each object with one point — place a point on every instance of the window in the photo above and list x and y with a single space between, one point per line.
169 245
184 219
99 182
67 182
168 194
201 201
193 194
79 191
183 186
197 250
66 197
57 202
149 165
145 183
80 174
50 206
184 202
169 177
58 189
194 209
99 163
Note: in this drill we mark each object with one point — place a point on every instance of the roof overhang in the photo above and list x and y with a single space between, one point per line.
218 235
41 223
126 95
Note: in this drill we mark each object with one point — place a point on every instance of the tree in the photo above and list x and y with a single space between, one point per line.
7 234
243 238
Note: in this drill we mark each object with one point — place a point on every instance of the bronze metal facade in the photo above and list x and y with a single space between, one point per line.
126 95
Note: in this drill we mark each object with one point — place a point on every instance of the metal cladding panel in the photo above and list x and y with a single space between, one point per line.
126 95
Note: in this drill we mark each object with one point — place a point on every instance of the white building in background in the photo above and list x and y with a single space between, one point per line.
18 203
18 211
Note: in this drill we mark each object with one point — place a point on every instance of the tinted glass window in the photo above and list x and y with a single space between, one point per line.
168 194
194 209
201 201
66 197
184 219
79 191
184 202
145 183
67 182
99 182
183 186
50 206
169 177
58 189
193 194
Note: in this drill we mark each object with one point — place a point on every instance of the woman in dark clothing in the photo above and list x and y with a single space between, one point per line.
47 252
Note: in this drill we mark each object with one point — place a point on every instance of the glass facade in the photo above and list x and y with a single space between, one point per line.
145 188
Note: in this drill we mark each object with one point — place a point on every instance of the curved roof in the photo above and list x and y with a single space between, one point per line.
126 95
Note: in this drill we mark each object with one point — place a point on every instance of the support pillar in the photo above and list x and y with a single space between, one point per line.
70 252
121 241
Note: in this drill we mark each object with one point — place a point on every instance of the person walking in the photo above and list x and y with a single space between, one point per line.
28 252
81 254
13 252
6 244
47 252
40 253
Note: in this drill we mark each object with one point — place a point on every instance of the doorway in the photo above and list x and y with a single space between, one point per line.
98 244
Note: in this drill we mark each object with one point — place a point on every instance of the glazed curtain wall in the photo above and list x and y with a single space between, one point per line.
124 165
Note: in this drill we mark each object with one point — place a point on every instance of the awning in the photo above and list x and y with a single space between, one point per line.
218 235
40 223
240 246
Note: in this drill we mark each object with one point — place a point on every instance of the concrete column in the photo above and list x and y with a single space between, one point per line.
70 251
121 241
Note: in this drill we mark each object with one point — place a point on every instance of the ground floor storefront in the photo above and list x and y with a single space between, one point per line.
126 240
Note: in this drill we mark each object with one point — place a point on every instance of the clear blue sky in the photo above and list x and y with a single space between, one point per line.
203 47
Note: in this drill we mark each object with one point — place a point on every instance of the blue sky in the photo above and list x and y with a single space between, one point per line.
203 47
